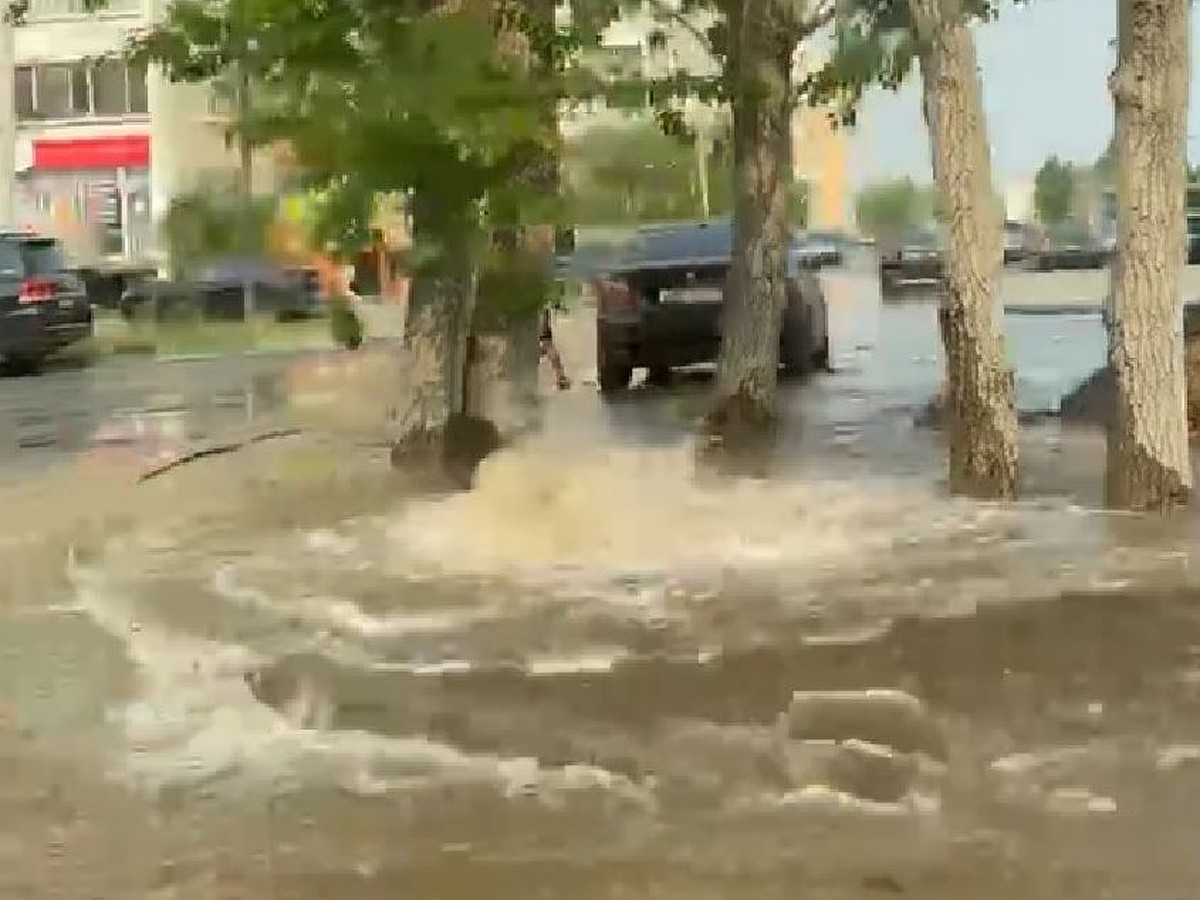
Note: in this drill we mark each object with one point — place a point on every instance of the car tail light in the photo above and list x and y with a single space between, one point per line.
615 296
37 290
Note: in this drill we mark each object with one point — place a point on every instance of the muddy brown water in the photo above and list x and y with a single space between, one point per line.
580 679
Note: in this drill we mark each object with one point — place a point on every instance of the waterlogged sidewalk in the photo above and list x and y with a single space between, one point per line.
321 451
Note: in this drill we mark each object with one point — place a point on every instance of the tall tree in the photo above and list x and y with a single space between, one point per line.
892 206
1148 464
1054 191
762 37
878 42
981 392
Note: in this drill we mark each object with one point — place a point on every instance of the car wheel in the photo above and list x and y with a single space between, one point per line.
820 358
614 377
793 349
24 364
659 376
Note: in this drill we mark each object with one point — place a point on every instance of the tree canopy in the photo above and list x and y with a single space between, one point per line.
1054 191
896 205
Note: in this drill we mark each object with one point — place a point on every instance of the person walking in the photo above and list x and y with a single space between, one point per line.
549 349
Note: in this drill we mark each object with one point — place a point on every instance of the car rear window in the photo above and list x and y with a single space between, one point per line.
41 257
669 243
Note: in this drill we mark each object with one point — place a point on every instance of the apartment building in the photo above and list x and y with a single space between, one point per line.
103 145
820 151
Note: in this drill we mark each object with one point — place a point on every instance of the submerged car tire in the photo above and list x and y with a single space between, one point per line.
820 359
24 363
794 351
612 374
614 377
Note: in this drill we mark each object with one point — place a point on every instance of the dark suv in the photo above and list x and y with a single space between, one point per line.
661 306
43 305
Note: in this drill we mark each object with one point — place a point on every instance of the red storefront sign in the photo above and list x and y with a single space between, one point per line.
129 151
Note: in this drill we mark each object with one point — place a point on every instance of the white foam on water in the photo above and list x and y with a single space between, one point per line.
632 529
638 512
195 722
342 615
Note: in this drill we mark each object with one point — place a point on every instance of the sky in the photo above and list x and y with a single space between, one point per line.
1045 68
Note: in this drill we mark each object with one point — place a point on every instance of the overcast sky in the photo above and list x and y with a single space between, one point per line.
1045 68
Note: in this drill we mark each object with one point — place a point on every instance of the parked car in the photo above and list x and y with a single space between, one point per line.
1066 246
1014 242
215 290
661 306
106 283
915 258
817 249
43 305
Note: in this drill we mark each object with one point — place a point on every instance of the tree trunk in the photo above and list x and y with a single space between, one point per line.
433 437
1148 464
502 376
982 422
502 371
743 409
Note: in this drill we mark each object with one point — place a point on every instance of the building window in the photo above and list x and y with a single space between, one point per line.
49 9
106 88
135 77
109 90
52 92
23 89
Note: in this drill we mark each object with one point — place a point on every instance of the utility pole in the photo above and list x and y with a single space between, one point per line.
8 117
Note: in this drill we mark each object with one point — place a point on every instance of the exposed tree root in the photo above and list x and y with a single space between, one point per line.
449 456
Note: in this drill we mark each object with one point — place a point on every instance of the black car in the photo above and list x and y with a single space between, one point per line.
216 290
1067 246
915 258
661 306
1014 242
43 304
818 249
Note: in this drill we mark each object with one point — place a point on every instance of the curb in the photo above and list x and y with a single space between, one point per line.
210 357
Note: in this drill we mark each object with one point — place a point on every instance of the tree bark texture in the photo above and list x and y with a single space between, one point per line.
502 372
1148 462
981 406
760 60
437 329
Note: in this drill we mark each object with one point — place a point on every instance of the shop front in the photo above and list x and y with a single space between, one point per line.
93 193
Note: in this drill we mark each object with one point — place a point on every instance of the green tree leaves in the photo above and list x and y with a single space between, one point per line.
1054 191
894 206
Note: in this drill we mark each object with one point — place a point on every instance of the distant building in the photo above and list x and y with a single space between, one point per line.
1018 200
103 146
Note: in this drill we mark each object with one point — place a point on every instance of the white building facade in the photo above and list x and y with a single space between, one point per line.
103 145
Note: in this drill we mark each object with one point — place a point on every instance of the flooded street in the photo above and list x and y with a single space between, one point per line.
72 409
601 674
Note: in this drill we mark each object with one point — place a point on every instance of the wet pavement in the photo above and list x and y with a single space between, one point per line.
68 410
603 674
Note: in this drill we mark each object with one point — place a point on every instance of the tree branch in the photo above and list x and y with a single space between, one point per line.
661 8
818 18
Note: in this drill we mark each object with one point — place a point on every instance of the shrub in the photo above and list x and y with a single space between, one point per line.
344 324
